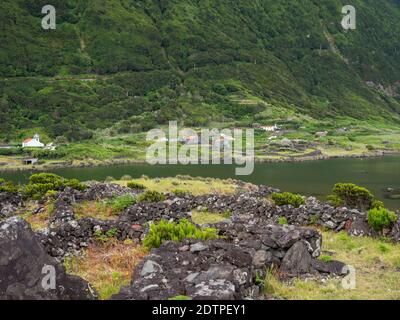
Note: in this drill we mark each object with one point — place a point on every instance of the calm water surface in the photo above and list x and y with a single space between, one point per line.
314 178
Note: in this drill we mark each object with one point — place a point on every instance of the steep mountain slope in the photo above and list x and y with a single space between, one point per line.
145 62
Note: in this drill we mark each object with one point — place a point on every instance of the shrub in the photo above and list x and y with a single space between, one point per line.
109 179
314 219
8 186
43 178
171 231
51 194
121 203
126 177
151 196
376 204
353 195
41 183
380 218
136 186
288 198
74 184
104 237
112 233
282 221
334 200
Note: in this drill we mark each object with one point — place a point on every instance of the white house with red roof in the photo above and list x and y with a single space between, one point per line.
33 142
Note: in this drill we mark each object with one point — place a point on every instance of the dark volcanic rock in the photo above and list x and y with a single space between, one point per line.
332 267
219 270
297 260
98 191
225 268
9 204
359 228
25 268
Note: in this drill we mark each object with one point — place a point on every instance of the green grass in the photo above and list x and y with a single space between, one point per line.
195 186
205 217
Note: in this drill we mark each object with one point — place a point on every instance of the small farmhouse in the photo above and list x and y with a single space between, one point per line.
32 142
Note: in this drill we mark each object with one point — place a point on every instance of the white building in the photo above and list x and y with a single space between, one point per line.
271 128
32 142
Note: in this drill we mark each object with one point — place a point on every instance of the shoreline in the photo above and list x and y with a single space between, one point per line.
118 162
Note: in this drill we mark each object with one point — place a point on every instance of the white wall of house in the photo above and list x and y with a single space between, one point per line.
33 143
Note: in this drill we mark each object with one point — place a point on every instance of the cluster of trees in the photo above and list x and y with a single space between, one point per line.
163 60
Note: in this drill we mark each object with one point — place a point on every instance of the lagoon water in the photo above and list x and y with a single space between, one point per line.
314 178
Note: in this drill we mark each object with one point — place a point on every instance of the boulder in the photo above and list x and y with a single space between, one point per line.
359 228
220 270
9 204
28 272
331 267
297 260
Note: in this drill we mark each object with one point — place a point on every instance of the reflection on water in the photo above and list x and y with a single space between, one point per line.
316 178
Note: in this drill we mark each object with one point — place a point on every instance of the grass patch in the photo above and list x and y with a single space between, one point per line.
103 210
94 209
107 266
40 220
325 258
119 204
282 221
180 298
206 217
195 186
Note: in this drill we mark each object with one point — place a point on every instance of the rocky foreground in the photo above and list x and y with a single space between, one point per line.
250 243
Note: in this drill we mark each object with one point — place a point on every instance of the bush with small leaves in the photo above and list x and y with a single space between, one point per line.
151 196
39 184
8 186
171 231
287 198
353 196
136 186
376 204
282 221
334 200
120 203
126 177
381 218
104 237
314 219
112 233
51 194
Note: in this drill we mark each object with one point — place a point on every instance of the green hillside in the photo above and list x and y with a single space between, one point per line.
131 65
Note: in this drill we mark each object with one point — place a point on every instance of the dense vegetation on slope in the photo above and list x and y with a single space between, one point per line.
142 63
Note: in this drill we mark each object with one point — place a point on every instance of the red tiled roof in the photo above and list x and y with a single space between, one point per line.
27 140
